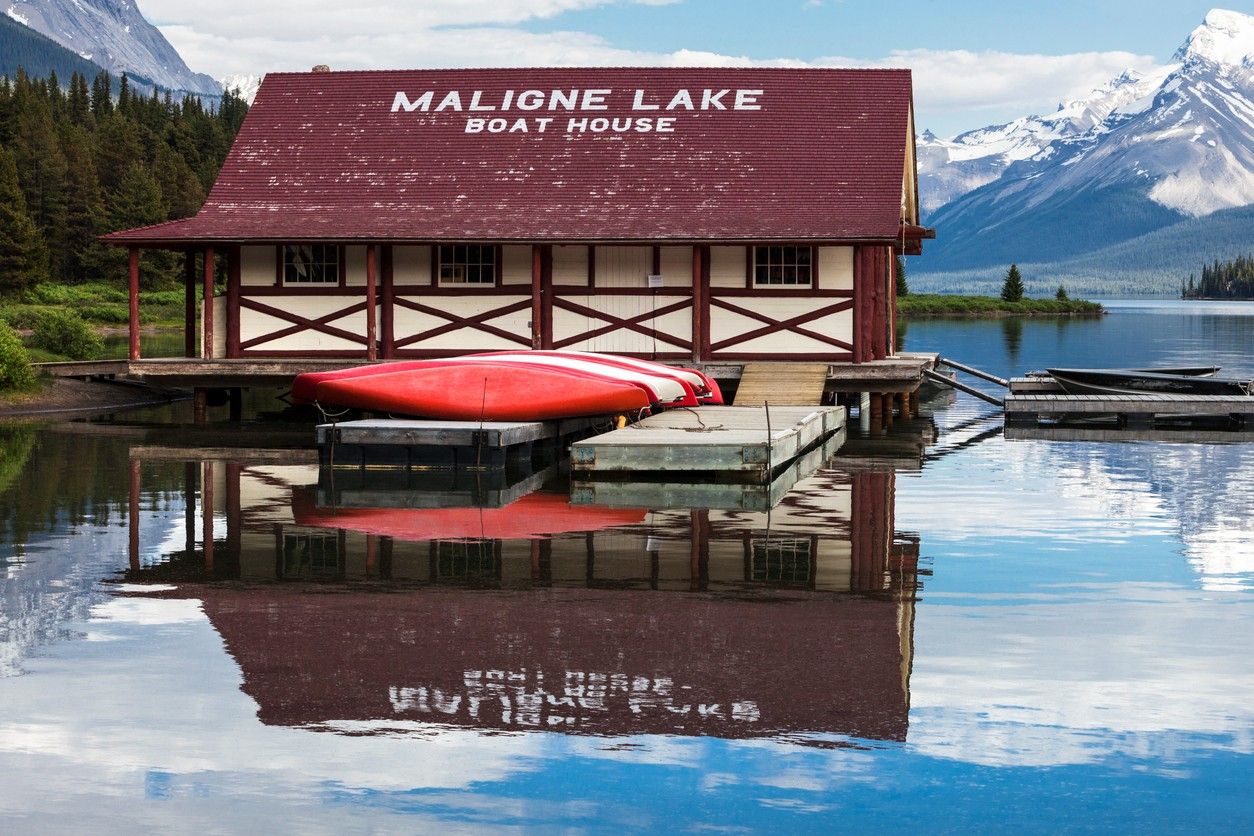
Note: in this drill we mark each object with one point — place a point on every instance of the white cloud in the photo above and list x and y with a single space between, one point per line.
253 38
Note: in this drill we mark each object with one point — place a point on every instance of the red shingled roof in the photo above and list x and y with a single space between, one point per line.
323 156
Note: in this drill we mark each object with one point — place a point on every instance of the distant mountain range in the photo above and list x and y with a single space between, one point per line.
112 34
1127 189
1149 176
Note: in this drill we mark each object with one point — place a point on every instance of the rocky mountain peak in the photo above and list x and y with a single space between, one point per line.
1225 37
114 35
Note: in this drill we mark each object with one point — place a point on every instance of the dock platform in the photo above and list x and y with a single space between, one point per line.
406 444
727 440
1039 398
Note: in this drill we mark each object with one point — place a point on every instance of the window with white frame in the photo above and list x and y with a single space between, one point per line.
783 266
467 264
308 264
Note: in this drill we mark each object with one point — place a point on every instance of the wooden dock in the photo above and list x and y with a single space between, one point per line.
1035 399
732 441
668 493
405 444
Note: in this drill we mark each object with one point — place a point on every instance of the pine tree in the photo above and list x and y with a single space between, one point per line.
1012 288
83 256
79 101
1061 294
23 256
40 166
181 192
137 202
902 288
101 95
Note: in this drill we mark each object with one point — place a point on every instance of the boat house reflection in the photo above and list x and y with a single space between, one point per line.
367 607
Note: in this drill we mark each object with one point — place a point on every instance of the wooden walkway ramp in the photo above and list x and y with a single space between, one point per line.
782 384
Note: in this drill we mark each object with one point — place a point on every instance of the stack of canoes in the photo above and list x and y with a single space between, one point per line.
509 386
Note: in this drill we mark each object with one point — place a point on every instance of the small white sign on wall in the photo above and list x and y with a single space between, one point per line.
655 281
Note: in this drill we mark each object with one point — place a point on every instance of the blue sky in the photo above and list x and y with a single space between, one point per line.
976 63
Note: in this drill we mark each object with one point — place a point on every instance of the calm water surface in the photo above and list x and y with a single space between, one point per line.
950 634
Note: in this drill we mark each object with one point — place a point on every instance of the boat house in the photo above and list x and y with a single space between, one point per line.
702 215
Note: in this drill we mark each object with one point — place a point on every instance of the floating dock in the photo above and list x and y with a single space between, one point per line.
406 444
1040 399
736 442
711 495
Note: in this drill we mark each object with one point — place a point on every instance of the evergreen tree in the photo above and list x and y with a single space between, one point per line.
1012 288
1061 294
181 192
101 95
79 101
23 257
84 257
75 154
40 165
137 202
902 288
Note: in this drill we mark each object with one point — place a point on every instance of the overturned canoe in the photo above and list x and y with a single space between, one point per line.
1134 382
666 385
484 390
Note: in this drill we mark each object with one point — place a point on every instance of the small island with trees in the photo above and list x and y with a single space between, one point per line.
1011 301
1222 280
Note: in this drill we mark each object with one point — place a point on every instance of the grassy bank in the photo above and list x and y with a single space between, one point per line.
101 305
920 305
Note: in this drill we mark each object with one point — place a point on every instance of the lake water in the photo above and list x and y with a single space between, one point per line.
941 629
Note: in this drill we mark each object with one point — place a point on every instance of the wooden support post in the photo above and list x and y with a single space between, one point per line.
387 269
879 300
206 347
546 296
236 396
537 327
133 258
888 409
206 514
892 301
372 348
189 303
200 403
372 555
133 551
698 303
232 301
877 414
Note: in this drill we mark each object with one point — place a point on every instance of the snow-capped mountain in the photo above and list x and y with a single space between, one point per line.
952 167
112 34
1142 153
245 86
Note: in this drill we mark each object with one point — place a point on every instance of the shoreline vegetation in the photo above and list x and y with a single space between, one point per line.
926 305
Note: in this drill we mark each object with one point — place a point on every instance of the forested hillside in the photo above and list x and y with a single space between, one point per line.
76 162
23 47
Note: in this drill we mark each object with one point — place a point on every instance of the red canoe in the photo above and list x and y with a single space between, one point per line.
704 389
699 387
535 515
484 390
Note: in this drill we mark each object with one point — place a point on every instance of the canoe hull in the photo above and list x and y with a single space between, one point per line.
1133 382
482 391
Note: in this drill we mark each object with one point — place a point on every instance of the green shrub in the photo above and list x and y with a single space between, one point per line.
106 313
65 332
15 370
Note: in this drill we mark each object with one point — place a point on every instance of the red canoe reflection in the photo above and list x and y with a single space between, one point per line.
534 516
